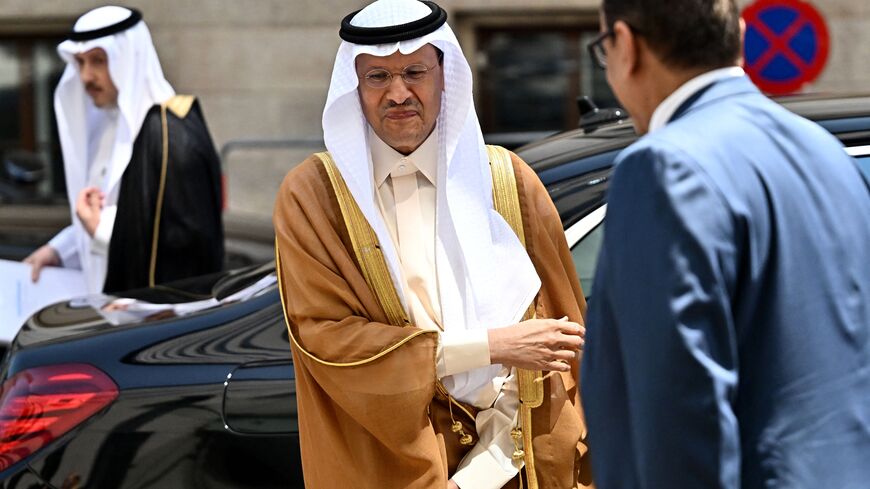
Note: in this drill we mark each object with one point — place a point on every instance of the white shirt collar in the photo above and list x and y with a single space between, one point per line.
672 103
385 158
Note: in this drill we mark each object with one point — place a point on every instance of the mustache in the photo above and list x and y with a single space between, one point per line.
407 104
91 86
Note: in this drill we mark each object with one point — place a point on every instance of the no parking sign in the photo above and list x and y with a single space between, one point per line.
786 44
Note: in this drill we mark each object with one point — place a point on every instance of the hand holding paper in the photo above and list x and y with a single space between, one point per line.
20 296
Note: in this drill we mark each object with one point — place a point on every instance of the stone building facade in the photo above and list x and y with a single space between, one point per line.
261 69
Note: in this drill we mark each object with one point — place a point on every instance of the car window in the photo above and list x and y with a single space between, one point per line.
584 239
585 256
864 164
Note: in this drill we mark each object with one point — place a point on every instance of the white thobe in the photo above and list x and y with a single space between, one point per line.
407 193
73 242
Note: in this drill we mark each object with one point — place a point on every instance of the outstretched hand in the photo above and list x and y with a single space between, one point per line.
537 344
45 256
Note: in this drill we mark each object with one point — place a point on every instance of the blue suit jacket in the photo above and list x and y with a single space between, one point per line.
728 340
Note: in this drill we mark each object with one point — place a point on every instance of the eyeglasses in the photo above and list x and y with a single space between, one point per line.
597 51
596 47
411 74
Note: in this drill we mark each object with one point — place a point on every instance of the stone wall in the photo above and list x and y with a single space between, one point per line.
261 67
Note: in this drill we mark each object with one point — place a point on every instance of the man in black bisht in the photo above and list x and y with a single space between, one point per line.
142 175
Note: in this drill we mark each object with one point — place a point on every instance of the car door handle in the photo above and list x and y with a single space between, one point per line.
260 399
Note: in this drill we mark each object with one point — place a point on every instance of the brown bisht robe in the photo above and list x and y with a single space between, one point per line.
369 412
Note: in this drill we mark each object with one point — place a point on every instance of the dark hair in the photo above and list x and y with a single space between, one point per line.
683 33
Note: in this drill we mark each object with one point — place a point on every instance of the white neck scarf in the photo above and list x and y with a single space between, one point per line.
487 279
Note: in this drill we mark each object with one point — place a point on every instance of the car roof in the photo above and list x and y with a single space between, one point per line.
819 107
841 113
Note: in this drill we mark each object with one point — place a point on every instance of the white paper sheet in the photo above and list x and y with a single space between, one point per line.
20 298
124 310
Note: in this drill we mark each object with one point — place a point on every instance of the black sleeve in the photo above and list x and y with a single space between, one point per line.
189 240
191 229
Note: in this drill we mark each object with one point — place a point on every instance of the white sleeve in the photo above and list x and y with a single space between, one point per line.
100 240
489 464
64 243
461 351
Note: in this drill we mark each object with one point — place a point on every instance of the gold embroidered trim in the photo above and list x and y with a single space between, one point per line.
180 105
531 475
311 355
366 246
155 235
504 189
507 203
531 390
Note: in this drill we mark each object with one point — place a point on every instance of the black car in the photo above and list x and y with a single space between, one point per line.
192 385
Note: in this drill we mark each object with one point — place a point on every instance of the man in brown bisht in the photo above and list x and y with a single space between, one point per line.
418 268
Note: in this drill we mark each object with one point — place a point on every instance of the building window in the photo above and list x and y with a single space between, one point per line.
29 72
529 76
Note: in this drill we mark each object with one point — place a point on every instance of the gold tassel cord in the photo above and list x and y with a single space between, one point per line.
456 426
519 454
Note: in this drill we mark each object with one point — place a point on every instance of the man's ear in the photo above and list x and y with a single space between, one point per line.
627 46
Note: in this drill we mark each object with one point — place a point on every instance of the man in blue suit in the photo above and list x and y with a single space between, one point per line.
728 340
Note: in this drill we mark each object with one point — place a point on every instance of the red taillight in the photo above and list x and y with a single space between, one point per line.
39 405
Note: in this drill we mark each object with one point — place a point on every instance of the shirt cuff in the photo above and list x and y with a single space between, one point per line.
100 241
461 351
484 471
64 243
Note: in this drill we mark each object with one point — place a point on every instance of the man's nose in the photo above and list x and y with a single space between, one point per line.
89 73
397 90
86 73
